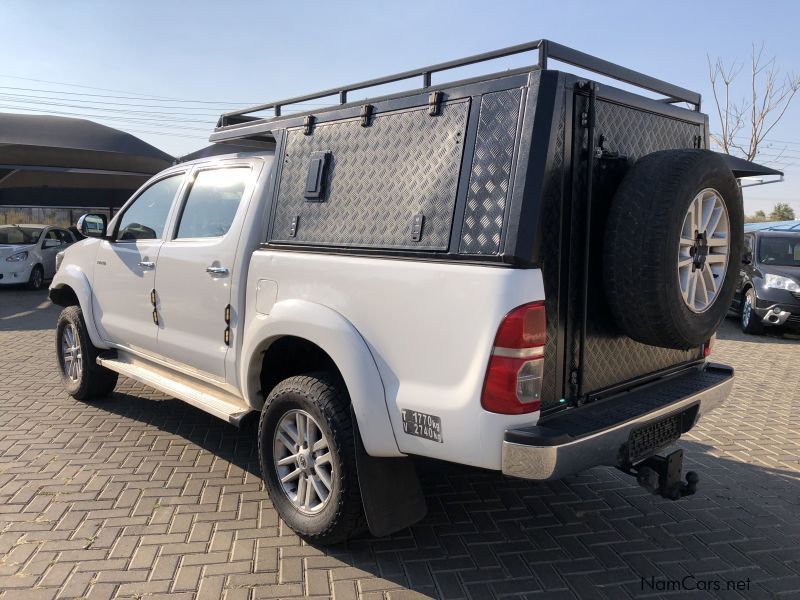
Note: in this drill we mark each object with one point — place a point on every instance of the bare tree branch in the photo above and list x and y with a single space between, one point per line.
769 97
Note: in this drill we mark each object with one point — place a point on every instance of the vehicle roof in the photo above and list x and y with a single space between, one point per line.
772 226
30 225
260 153
777 233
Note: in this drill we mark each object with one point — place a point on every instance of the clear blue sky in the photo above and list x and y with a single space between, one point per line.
240 52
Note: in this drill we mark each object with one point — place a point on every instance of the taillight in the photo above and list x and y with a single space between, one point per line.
513 381
709 346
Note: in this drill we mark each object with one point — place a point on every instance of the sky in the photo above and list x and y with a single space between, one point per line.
164 70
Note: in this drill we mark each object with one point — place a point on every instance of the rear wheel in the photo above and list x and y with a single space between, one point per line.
82 377
36 279
307 451
750 321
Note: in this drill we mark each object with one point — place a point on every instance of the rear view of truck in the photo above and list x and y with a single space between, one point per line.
605 203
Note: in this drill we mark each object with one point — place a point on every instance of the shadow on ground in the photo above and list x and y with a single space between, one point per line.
594 535
25 310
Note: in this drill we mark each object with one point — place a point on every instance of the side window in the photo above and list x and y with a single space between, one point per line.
146 217
54 235
212 202
63 236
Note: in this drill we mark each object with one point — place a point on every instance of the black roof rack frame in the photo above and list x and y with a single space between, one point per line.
547 50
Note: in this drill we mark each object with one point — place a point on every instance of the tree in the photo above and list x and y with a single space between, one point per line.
782 212
745 124
757 217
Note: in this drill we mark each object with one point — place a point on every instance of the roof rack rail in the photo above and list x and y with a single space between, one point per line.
547 50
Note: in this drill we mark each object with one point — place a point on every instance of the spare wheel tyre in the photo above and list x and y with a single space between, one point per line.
672 248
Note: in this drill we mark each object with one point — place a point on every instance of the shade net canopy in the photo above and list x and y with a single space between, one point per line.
73 153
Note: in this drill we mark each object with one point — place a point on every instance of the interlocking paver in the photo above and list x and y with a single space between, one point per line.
142 496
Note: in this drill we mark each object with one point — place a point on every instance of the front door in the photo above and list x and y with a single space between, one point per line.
55 240
196 268
124 273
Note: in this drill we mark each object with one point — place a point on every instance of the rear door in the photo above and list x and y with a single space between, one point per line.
124 272
609 358
196 268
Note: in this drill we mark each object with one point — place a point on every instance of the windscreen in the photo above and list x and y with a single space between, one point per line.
780 251
13 234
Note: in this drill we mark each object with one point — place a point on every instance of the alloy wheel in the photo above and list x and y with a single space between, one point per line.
38 278
71 355
302 460
703 250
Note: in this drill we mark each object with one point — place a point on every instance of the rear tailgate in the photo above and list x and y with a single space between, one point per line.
623 134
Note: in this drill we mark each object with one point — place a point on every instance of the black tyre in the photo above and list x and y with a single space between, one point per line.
36 278
82 377
749 320
673 238
308 458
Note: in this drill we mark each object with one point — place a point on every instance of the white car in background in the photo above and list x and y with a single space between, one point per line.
28 253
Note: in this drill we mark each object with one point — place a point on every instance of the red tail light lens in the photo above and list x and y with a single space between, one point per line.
709 346
514 378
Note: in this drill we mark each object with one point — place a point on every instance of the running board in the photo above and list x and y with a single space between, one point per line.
205 397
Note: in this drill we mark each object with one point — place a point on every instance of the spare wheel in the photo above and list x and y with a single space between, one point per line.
672 248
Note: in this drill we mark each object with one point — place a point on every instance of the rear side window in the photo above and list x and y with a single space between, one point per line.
146 217
212 203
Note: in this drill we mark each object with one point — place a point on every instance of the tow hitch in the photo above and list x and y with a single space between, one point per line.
661 475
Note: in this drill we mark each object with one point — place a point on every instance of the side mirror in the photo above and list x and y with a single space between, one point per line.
92 225
747 258
50 244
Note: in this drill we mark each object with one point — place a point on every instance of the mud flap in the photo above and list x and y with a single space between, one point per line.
390 491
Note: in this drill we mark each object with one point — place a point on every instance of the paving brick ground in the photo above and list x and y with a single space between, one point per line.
140 496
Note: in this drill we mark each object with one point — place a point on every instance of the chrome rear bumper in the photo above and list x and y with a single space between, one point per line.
552 456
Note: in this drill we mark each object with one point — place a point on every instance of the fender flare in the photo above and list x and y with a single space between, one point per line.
343 343
72 276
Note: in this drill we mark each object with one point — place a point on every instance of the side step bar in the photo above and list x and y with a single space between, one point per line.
205 397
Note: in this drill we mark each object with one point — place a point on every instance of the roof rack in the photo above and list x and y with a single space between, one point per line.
547 50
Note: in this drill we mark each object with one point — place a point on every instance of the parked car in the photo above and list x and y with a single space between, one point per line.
768 293
28 253
483 272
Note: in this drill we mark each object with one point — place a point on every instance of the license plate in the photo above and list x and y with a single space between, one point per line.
647 440
422 425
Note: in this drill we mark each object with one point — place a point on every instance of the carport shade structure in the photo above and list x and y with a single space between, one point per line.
60 152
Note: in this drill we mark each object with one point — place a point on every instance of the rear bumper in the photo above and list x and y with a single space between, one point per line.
559 448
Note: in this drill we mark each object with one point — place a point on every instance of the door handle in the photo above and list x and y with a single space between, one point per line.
146 264
217 270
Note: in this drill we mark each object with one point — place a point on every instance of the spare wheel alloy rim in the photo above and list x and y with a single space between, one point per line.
302 458
703 250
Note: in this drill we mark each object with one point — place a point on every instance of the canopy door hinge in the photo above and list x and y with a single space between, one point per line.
308 124
435 103
366 114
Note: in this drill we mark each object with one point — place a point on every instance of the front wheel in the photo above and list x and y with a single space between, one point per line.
307 452
751 322
82 377
36 279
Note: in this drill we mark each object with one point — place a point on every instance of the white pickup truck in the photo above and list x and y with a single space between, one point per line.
521 272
